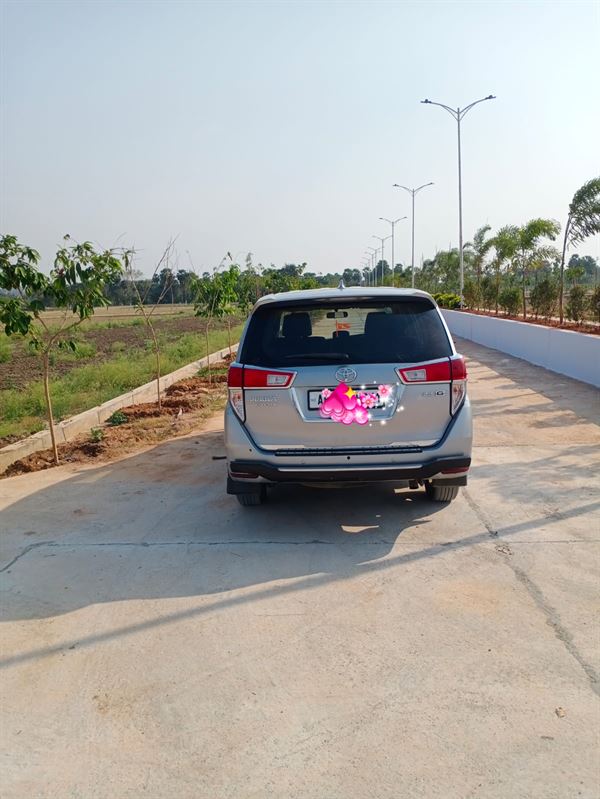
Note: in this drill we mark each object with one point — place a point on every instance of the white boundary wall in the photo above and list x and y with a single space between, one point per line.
95 417
569 353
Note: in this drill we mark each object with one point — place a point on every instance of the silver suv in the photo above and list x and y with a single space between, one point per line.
347 385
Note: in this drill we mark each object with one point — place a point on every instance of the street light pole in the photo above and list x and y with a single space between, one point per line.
373 251
413 192
458 114
392 223
364 264
382 239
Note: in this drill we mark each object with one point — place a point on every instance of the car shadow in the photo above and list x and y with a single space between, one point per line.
159 525
564 393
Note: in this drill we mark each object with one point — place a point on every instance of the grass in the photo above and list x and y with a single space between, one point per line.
22 412
6 348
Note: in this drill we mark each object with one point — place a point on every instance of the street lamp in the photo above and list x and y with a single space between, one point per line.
382 239
458 114
372 251
392 223
413 192
364 265
369 257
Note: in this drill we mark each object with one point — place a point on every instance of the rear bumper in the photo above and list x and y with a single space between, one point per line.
250 470
249 466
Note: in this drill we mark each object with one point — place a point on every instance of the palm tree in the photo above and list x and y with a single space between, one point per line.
530 251
480 246
583 221
505 243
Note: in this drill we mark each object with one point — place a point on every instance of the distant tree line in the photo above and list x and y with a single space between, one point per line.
518 269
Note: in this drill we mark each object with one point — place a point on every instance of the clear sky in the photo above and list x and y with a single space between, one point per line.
280 127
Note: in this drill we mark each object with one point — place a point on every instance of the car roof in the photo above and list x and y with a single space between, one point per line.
352 292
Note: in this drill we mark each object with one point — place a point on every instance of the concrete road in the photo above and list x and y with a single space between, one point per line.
161 641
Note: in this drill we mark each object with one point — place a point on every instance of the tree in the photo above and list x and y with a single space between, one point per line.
183 279
522 247
76 285
574 272
489 293
288 278
544 296
480 246
150 297
351 277
595 303
211 300
509 299
576 304
590 270
505 245
229 297
583 221
530 252
444 271
471 293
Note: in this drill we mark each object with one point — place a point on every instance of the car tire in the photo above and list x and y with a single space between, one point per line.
441 493
254 498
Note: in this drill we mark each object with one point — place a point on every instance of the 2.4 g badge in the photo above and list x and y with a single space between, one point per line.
263 399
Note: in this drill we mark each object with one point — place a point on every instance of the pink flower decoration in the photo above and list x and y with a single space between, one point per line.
368 400
384 391
361 416
342 408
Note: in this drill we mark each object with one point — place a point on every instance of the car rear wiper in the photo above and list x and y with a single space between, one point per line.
320 356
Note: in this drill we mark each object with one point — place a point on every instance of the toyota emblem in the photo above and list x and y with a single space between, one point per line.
345 375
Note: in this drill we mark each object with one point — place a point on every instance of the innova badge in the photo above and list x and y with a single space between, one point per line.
345 375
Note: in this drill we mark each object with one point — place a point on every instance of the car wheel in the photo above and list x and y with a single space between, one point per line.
254 498
441 493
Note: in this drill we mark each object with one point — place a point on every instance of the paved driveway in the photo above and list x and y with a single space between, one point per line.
161 641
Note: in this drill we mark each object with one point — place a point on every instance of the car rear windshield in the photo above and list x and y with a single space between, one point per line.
359 331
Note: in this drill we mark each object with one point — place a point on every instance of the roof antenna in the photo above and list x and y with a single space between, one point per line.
341 286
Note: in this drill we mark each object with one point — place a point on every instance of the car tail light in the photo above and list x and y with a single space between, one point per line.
235 377
458 368
451 370
240 378
437 372
267 378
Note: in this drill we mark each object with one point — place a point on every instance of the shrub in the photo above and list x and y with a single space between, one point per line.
544 297
471 294
488 293
576 304
595 303
510 300
96 435
449 301
117 418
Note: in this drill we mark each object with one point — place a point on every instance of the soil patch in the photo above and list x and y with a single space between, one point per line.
185 406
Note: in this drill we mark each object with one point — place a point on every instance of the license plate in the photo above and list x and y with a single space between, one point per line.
315 399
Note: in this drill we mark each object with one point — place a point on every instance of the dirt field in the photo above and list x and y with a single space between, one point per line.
121 312
23 367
